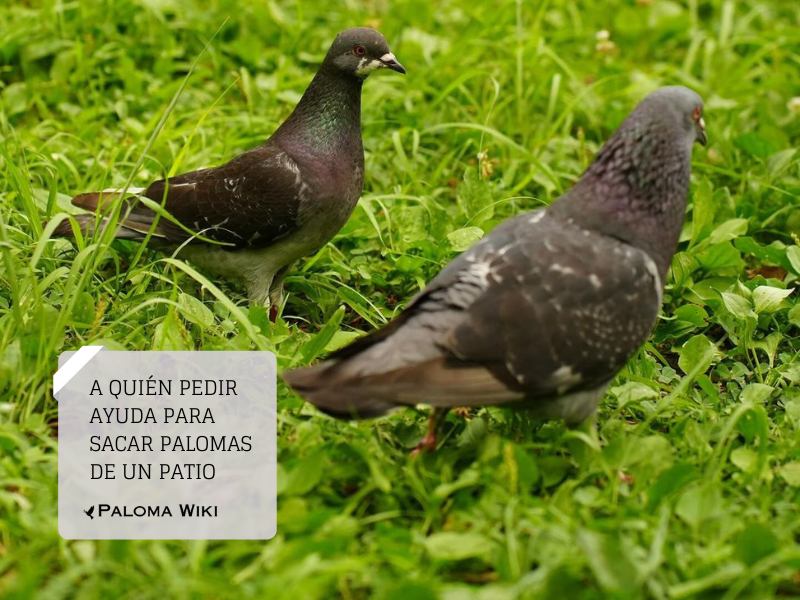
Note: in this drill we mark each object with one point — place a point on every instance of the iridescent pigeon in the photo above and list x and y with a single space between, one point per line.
277 202
542 313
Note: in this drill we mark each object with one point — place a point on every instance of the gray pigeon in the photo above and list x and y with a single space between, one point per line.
277 202
542 313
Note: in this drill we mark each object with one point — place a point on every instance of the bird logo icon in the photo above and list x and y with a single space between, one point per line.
89 511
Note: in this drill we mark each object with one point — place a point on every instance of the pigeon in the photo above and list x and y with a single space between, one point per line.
252 217
543 312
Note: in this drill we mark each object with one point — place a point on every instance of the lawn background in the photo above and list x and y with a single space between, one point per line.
689 485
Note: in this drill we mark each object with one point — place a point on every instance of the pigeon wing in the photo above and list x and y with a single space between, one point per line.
561 309
250 202
537 309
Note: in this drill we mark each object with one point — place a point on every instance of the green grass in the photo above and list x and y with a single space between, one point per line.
688 485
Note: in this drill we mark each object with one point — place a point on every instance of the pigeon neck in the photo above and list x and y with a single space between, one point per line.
328 115
635 191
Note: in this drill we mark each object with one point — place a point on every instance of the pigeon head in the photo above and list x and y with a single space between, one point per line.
677 108
361 50
637 187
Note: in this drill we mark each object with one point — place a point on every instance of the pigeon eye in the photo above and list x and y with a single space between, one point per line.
697 114
359 50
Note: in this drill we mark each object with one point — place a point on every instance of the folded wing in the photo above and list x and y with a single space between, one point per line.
250 202
538 309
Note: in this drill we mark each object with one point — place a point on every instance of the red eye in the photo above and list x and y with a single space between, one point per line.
359 50
697 113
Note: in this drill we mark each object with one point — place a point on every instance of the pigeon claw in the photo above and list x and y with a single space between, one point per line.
465 412
428 443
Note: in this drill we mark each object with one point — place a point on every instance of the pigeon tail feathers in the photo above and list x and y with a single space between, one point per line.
104 200
338 399
89 224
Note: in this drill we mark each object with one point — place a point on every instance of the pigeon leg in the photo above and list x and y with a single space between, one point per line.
276 292
276 287
428 443
465 412
258 290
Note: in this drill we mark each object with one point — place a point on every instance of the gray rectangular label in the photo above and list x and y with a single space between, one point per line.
166 445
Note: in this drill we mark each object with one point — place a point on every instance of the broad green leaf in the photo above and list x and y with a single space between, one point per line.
451 545
411 590
83 311
737 305
730 229
700 503
475 431
258 316
757 393
314 347
793 256
682 266
293 513
378 475
670 481
609 561
792 407
461 239
755 542
769 345
710 289
15 97
780 160
553 469
774 253
409 264
794 315
709 388
476 197
791 372
467 479
588 495
743 290
703 209
754 144
527 468
340 339
633 391
195 311
697 354
649 456
691 313
744 458
170 334
753 424
790 472
106 343
305 474
722 256
767 299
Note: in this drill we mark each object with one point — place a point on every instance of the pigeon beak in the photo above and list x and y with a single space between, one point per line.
389 61
701 132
